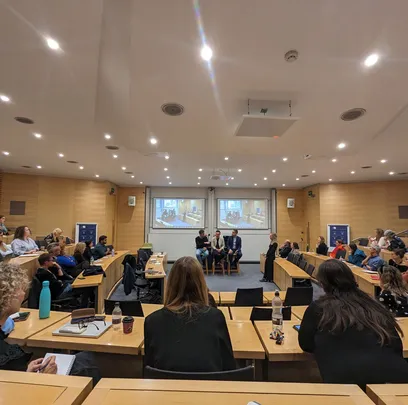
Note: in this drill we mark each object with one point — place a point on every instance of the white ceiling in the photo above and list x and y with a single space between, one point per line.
121 60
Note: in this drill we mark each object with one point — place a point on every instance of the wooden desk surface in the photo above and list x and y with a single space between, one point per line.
23 330
111 341
157 262
241 313
245 341
226 312
228 298
21 388
155 392
150 308
359 273
269 295
403 322
291 269
105 262
299 311
216 296
290 350
388 394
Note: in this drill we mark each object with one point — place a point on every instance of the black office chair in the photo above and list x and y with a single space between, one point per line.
302 264
41 243
129 308
249 297
341 254
296 296
310 269
290 257
240 374
363 241
265 314
296 259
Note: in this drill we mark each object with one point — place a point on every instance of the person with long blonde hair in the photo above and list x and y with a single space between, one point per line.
270 258
187 335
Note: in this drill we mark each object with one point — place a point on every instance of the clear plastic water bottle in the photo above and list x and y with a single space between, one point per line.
277 317
116 316
113 252
45 301
92 261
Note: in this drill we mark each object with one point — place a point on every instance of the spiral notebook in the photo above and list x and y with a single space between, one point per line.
64 362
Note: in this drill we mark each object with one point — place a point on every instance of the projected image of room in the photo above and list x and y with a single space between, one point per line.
178 213
240 213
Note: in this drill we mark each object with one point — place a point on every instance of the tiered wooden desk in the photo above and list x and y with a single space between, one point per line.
285 272
388 394
114 271
299 311
150 308
29 263
385 254
23 330
154 392
216 296
158 262
20 388
70 249
314 259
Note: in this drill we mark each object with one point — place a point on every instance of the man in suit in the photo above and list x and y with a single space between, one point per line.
218 245
234 248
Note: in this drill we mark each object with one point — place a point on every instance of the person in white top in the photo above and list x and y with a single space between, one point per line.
5 250
22 243
379 239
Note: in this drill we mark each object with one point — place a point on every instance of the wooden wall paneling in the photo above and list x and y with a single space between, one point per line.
110 213
312 214
130 220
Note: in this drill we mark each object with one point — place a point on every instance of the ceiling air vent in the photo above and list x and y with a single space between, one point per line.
402 173
112 147
27 167
24 120
128 172
172 109
304 175
353 114
366 167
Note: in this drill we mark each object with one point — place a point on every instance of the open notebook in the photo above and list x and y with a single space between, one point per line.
64 362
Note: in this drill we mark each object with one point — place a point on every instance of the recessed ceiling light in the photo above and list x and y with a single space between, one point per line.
341 145
371 60
334 160
383 160
275 137
52 44
4 98
6 153
226 158
165 169
313 171
115 156
283 185
169 182
167 157
153 141
198 183
240 170
123 168
140 182
255 184
297 179
107 136
132 176
96 175
232 178
265 178
206 53
330 179
167 177
81 167
274 171
60 154
39 167
226 184
391 173
200 170
352 172
199 178
285 159
37 135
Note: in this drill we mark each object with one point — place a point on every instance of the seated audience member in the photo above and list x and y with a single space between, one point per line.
379 239
285 249
67 263
13 285
54 236
3 227
218 246
88 251
398 260
336 252
295 248
234 248
356 256
394 292
79 253
321 247
101 250
22 243
202 245
187 335
395 242
5 250
353 337
374 261
270 258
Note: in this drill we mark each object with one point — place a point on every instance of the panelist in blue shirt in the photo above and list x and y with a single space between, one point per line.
374 261
234 248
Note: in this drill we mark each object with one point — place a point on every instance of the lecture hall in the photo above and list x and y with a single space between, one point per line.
195 191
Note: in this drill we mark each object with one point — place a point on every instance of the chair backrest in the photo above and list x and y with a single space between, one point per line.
363 241
240 374
261 314
34 294
249 297
296 259
341 254
291 256
40 243
302 264
129 308
310 269
298 296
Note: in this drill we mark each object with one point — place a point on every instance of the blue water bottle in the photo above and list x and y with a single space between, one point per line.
45 300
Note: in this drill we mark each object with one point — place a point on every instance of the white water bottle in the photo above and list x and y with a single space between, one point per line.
277 317
113 252
116 316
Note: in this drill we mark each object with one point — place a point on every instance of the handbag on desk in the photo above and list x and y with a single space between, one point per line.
93 271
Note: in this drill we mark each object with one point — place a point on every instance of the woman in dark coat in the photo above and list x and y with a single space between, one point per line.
270 258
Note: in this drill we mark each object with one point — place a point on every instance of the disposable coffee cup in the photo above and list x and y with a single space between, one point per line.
127 324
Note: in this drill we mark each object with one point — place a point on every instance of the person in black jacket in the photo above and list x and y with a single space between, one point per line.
321 247
202 245
187 335
270 258
353 337
88 251
285 249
